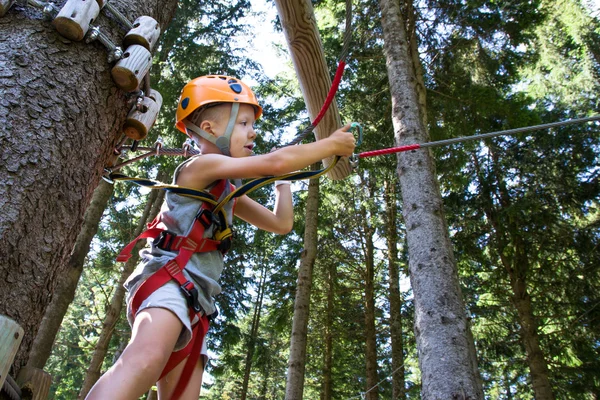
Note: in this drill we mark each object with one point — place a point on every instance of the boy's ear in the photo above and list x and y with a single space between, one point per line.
207 126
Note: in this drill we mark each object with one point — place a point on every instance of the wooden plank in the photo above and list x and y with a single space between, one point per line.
34 382
302 34
11 335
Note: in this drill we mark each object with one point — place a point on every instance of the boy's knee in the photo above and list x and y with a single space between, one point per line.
149 361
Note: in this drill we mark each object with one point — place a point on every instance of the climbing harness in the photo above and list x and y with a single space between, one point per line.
185 246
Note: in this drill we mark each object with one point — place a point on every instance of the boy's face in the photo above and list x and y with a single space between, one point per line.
243 135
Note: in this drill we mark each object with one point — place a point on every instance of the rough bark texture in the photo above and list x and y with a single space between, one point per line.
294 386
446 351
302 34
113 312
60 116
65 291
394 298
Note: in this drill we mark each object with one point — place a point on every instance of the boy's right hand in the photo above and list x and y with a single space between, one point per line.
343 141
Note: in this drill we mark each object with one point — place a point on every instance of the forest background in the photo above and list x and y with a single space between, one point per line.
522 210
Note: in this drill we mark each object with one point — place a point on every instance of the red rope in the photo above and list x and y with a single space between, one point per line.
334 87
389 150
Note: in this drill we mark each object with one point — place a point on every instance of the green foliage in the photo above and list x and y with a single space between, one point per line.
488 66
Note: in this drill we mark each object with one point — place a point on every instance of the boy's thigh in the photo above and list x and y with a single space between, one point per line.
168 298
156 329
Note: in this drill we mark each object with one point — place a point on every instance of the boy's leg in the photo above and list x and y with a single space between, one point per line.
154 334
166 386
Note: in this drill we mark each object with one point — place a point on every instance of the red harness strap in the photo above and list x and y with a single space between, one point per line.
194 242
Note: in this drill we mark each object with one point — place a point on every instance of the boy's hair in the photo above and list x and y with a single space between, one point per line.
210 112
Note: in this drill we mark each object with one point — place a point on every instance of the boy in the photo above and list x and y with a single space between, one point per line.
218 113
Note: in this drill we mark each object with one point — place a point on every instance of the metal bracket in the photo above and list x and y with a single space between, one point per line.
114 52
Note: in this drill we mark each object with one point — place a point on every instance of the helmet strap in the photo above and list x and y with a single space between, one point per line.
222 142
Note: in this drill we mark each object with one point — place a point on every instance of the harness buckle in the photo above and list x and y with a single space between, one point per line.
191 295
205 217
164 240
225 245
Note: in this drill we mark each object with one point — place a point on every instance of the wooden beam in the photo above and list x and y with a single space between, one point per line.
11 335
302 34
34 382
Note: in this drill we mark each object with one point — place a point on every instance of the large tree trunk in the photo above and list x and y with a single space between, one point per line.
113 312
65 291
296 366
60 116
300 28
446 350
391 213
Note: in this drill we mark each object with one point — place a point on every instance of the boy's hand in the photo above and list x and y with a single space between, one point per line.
343 141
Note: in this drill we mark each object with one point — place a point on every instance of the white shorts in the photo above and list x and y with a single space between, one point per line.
170 297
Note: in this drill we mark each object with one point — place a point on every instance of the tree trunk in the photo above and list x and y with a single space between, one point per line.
60 117
327 388
113 312
294 387
538 368
446 350
514 257
254 332
394 298
65 292
370 333
300 27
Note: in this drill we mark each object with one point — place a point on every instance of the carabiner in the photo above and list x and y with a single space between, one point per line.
354 125
353 159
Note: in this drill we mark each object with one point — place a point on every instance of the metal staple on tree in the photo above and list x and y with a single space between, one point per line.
118 15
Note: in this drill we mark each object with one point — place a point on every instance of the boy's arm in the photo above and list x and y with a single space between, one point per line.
204 170
280 220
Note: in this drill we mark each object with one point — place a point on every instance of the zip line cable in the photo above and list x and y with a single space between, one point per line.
188 151
447 142
362 394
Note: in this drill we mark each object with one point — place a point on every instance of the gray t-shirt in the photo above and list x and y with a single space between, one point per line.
204 269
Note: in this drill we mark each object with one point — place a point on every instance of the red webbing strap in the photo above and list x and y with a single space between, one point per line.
193 349
155 281
125 254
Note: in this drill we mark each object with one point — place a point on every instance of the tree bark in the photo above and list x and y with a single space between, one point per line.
294 387
113 312
60 117
300 27
446 350
394 298
65 291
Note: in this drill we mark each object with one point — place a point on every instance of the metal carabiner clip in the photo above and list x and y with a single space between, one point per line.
353 159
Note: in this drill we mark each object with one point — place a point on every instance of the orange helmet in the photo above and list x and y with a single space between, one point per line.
213 89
